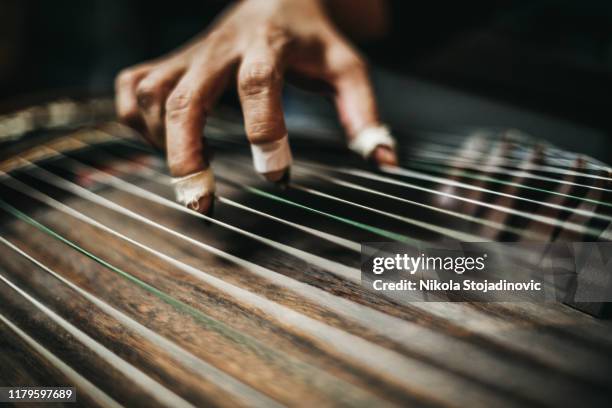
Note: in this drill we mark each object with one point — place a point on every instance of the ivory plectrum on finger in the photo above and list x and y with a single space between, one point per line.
196 190
273 159
368 139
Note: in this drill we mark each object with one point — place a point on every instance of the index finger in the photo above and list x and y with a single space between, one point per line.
186 109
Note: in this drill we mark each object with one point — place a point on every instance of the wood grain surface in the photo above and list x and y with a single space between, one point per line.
138 303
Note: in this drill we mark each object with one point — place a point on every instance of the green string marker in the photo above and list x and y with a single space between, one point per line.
334 387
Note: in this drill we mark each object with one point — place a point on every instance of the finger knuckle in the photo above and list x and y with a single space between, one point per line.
346 59
178 104
355 64
258 78
125 77
275 36
149 93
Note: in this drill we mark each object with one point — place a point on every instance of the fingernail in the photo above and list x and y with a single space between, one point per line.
280 177
384 155
203 205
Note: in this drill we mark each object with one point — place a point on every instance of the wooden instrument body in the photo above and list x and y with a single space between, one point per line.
150 305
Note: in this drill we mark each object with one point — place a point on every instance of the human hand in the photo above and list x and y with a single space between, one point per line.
255 42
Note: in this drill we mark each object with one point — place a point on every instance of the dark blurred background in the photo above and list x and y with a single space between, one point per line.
552 58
